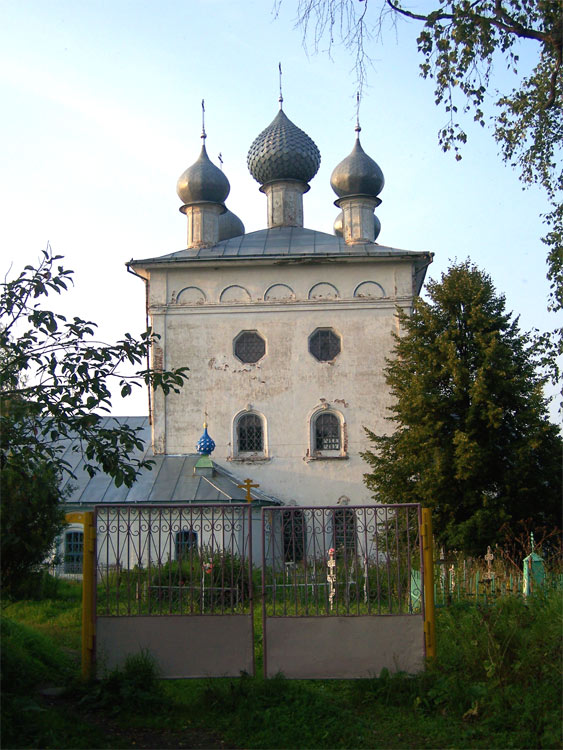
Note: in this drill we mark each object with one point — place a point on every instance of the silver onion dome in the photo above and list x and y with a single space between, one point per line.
339 223
230 226
203 181
357 174
283 152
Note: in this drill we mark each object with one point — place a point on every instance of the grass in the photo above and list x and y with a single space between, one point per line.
495 684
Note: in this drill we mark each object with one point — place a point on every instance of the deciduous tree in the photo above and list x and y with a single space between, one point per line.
472 437
55 385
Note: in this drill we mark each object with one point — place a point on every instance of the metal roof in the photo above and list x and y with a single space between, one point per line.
171 480
282 243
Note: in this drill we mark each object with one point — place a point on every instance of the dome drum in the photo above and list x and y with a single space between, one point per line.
285 202
359 224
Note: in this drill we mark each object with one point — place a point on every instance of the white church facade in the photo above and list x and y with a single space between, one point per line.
285 332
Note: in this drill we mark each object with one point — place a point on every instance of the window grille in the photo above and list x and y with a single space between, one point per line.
74 544
249 346
294 535
327 433
250 434
186 540
344 527
324 344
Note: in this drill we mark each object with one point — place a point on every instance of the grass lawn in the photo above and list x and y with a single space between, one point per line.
495 684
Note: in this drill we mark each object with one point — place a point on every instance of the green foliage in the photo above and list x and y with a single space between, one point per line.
31 516
55 379
472 439
135 686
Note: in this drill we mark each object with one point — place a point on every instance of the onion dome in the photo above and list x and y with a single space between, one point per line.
339 222
205 445
283 152
230 226
357 174
203 181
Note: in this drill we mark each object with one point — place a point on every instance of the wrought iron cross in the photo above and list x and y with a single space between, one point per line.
247 485
489 557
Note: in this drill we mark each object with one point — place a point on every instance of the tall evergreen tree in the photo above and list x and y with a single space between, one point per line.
472 436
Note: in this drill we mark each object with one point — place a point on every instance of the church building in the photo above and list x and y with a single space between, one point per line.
285 330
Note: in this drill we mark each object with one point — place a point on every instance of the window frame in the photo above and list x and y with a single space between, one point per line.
320 330
73 551
325 453
249 455
239 335
184 548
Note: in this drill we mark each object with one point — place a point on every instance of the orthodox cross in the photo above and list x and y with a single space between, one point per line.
280 100
203 133
247 485
489 557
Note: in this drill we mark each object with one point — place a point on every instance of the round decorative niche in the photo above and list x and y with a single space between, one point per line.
369 289
324 290
277 292
190 295
325 344
234 293
249 346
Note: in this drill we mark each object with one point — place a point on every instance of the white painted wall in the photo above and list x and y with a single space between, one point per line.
288 385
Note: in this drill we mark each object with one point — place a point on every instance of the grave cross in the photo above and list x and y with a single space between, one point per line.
247 485
489 557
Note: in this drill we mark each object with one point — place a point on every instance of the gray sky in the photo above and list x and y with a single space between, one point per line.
101 114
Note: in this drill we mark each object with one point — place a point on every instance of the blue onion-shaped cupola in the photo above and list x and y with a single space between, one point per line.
205 445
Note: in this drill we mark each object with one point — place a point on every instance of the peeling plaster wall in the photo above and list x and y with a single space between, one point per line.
288 385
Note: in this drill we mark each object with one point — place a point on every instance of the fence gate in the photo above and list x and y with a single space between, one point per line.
342 593
176 581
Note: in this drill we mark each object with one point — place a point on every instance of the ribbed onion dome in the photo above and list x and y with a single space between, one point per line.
283 152
357 174
230 226
339 230
205 445
203 181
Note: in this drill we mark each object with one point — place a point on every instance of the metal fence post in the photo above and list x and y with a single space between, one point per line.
88 572
429 608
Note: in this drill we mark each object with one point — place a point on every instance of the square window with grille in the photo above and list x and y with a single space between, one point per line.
250 434
186 541
344 529
327 433
74 544
294 535
324 344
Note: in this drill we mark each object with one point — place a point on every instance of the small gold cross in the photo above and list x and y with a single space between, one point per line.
246 485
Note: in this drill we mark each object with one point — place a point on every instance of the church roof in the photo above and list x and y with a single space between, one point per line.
281 243
171 480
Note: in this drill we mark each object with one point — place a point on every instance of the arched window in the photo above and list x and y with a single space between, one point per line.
326 433
74 544
250 434
186 540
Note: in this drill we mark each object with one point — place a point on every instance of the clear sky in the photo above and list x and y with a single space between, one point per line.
101 114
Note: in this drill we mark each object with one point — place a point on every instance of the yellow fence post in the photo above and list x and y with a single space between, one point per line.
88 572
429 608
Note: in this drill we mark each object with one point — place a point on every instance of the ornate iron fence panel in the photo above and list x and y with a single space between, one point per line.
176 580
335 582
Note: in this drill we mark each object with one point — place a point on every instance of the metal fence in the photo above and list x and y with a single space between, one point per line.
342 561
182 560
